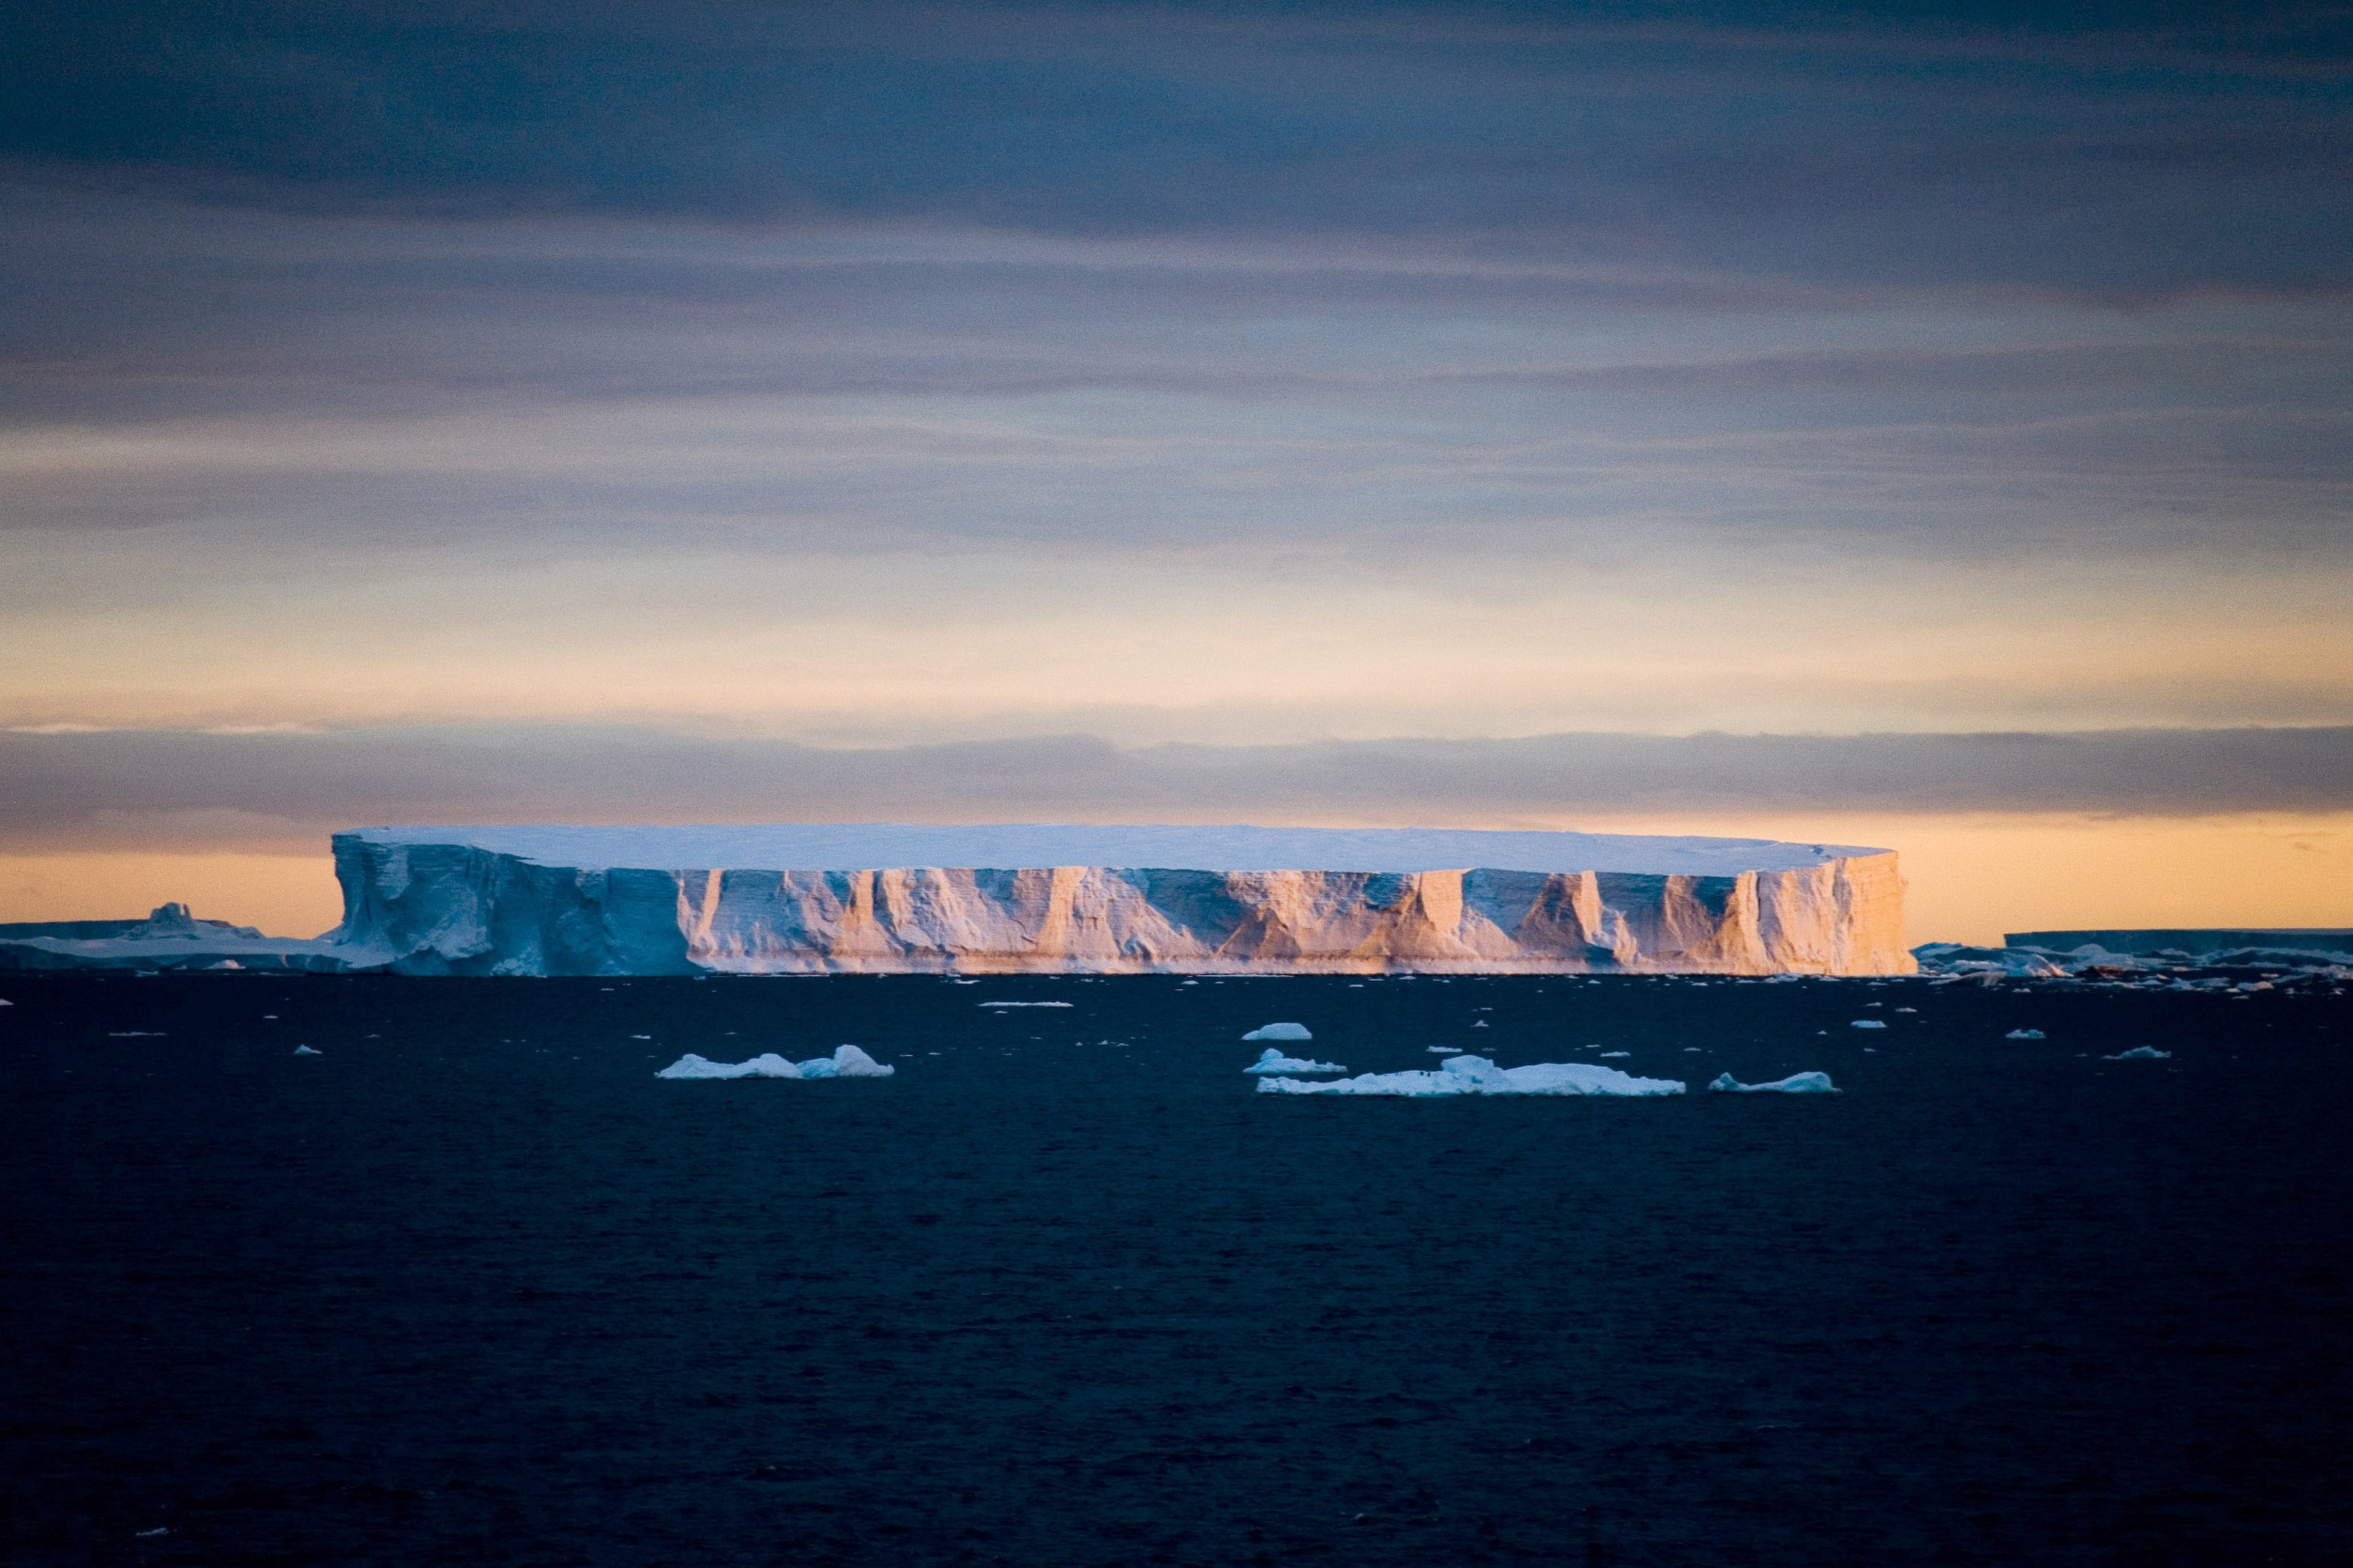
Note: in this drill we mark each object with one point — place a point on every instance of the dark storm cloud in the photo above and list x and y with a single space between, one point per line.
2104 152
146 788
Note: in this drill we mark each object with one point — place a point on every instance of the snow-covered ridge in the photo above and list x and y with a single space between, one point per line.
891 898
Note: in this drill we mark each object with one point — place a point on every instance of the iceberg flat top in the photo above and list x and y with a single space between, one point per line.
868 846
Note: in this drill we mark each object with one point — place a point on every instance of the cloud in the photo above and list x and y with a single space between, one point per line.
2010 146
150 788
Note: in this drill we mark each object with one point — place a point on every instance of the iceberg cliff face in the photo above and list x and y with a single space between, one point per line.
895 900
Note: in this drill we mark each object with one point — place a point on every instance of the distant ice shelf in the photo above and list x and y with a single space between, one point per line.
171 938
898 899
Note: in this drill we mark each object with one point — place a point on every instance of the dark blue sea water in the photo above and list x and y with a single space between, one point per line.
473 1286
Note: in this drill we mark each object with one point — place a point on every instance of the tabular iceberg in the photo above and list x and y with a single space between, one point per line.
891 899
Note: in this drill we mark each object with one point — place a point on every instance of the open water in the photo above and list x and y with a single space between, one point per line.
471 1286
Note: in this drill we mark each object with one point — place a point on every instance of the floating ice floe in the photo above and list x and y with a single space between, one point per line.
1476 1074
305 1050
2140 1053
1029 1003
2023 1034
1480 1024
1796 1083
1275 1062
1279 1031
1868 1023
1446 1050
1617 1054
847 1062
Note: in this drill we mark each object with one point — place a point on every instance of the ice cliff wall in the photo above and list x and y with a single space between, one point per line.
893 900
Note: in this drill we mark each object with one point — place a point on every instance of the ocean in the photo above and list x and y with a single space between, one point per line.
473 1286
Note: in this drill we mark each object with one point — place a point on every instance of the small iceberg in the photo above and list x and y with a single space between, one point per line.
1446 1050
1868 1023
305 1050
1279 1031
1476 1074
2023 1034
847 1062
2140 1053
1033 1003
1796 1083
1275 1062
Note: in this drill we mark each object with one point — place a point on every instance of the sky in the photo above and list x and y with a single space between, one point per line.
1926 426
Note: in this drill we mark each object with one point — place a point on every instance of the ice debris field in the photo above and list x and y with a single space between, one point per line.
1458 1075
1796 1083
847 1062
1274 1061
1476 1074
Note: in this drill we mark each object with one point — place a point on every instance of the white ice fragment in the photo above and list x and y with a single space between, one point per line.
2139 1053
1617 1054
847 1062
305 1050
1446 1050
1034 1003
1274 1061
1796 1083
5 1002
1480 1024
1476 1074
2023 1034
1868 1023
1279 1031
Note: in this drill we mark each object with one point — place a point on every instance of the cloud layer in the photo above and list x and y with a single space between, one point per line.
148 789
887 373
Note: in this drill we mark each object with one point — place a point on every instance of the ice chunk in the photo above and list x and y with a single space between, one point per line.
1027 1004
1446 1050
1796 1083
305 1050
1480 1024
1868 1023
847 1062
1274 1061
1476 1074
2023 1034
1617 1054
2140 1053
1279 1031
